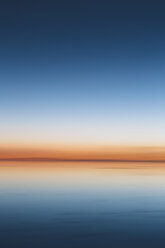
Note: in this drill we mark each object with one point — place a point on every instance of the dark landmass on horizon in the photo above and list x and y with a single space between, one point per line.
83 160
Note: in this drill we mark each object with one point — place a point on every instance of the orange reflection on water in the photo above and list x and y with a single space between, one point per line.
81 174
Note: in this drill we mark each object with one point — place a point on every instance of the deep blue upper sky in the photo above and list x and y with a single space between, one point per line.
78 66
66 30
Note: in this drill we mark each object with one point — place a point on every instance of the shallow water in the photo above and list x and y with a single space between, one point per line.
82 204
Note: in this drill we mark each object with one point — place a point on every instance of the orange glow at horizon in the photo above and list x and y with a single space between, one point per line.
55 152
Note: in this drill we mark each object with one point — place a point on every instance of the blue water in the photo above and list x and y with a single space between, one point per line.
82 205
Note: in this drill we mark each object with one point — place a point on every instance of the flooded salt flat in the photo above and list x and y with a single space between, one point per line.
82 204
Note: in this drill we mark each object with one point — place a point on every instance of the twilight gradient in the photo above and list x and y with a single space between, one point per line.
82 74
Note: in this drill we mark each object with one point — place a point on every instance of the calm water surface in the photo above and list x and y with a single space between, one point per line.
82 204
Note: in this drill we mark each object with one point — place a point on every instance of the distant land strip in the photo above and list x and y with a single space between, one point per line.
84 160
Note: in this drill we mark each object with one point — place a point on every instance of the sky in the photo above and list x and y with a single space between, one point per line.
82 74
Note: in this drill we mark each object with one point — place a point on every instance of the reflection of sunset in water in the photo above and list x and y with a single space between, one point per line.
85 175
64 202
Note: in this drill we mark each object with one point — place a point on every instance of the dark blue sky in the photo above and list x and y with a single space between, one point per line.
82 71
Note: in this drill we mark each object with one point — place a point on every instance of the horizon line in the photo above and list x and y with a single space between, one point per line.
82 160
